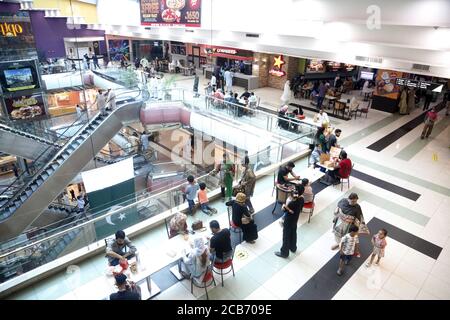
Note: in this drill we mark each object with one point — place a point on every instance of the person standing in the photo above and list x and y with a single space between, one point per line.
226 169
80 204
292 209
191 193
428 98
403 104
95 61
79 111
248 181
430 119
228 80
101 102
72 194
15 170
332 139
348 213
195 89
242 218
213 82
111 100
349 246
321 95
411 100
144 141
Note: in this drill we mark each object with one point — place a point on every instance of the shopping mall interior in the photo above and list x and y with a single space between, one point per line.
332 117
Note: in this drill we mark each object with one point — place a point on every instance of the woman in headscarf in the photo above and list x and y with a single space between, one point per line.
239 213
178 225
347 213
403 104
196 262
248 181
411 100
226 170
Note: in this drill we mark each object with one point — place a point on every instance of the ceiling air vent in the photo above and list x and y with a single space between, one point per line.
252 35
422 67
369 59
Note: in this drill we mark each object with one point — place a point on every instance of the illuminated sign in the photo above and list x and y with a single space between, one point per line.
10 29
277 67
435 87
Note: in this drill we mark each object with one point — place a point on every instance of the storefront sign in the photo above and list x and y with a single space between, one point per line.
171 13
25 107
417 84
277 67
230 53
10 29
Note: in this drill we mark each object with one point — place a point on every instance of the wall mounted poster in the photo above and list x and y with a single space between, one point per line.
25 107
119 50
185 13
386 83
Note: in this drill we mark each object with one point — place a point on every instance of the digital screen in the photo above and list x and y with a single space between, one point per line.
19 79
366 75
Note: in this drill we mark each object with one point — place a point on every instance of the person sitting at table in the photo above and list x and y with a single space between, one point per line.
228 96
252 101
119 249
178 225
195 263
220 243
127 290
284 172
342 170
245 94
332 139
308 194
218 97
315 155
239 213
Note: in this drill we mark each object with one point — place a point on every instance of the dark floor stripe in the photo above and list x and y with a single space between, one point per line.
386 185
325 284
400 132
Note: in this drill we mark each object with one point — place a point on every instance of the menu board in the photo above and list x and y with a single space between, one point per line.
25 107
171 13
386 85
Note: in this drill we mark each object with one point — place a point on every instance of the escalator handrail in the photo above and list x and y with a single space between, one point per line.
35 137
40 133
58 153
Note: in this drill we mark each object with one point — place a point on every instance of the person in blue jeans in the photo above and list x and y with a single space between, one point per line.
191 193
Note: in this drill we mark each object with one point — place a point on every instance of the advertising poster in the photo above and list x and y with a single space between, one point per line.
386 83
119 50
171 13
25 107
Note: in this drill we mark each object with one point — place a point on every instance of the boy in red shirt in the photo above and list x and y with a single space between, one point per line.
342 170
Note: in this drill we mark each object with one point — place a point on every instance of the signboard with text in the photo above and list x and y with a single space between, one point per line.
417 84
385 82
185 13
16 38
230 53
25 107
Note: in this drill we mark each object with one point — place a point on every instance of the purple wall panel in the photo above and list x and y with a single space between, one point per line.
49 33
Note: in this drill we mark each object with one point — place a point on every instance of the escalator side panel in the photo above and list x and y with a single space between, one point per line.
21 146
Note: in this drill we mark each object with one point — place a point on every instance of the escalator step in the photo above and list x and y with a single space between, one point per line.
44 175
54 166
28 192
33 186
23 197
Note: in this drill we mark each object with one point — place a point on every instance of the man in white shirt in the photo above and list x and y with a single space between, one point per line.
228 80
323 117
213 81
111 100
101 102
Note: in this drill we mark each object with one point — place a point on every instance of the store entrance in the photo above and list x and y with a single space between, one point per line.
196 56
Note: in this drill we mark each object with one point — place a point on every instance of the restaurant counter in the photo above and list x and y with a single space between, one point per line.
241 80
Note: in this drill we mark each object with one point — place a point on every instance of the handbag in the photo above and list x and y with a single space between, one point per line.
245 220
197 225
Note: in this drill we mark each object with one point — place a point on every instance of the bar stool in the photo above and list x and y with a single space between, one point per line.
310 206
224 266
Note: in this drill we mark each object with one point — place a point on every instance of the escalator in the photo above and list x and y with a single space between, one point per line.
25 144
35 195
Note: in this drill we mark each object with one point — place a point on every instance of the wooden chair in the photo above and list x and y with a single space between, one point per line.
339 107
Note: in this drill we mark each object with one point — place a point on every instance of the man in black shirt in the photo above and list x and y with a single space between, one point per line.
292 210
125 291
283 174
246 94
220 243
332 139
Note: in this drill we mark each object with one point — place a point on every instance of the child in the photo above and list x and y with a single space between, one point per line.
203 200
308 194
349 245
191 192
297 193
379 243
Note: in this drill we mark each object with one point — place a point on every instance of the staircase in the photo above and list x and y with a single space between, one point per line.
35 195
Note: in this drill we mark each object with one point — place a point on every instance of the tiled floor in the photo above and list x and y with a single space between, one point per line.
420 166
